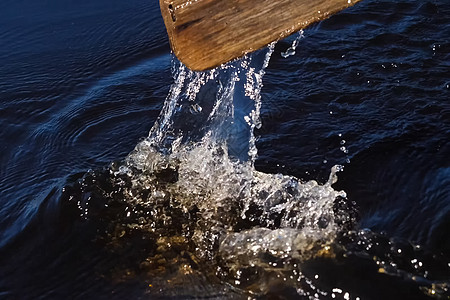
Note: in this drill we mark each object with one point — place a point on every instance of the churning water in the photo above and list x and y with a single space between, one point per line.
191 191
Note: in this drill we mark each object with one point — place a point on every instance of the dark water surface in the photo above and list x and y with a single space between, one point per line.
81 83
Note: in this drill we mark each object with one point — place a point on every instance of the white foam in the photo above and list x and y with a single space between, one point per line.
290 218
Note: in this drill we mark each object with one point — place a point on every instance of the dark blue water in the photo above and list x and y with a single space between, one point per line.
81 83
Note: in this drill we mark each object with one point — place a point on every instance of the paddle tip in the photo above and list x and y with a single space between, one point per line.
208 33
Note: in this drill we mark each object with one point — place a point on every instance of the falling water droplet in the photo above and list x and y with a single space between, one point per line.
291 50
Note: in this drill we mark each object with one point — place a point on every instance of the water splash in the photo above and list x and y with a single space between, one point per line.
205 135
190 208
192 182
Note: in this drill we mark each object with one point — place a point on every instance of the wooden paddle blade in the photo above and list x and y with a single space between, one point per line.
207 33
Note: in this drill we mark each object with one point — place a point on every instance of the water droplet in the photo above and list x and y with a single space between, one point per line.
291 50
195 109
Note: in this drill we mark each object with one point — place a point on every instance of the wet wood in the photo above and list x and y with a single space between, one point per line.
206 33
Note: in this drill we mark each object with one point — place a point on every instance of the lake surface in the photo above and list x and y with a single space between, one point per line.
81 85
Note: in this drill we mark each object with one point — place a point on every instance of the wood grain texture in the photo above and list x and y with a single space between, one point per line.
207 33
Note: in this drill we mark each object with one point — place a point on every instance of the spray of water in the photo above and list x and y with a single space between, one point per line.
196 217
188 214
191 186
